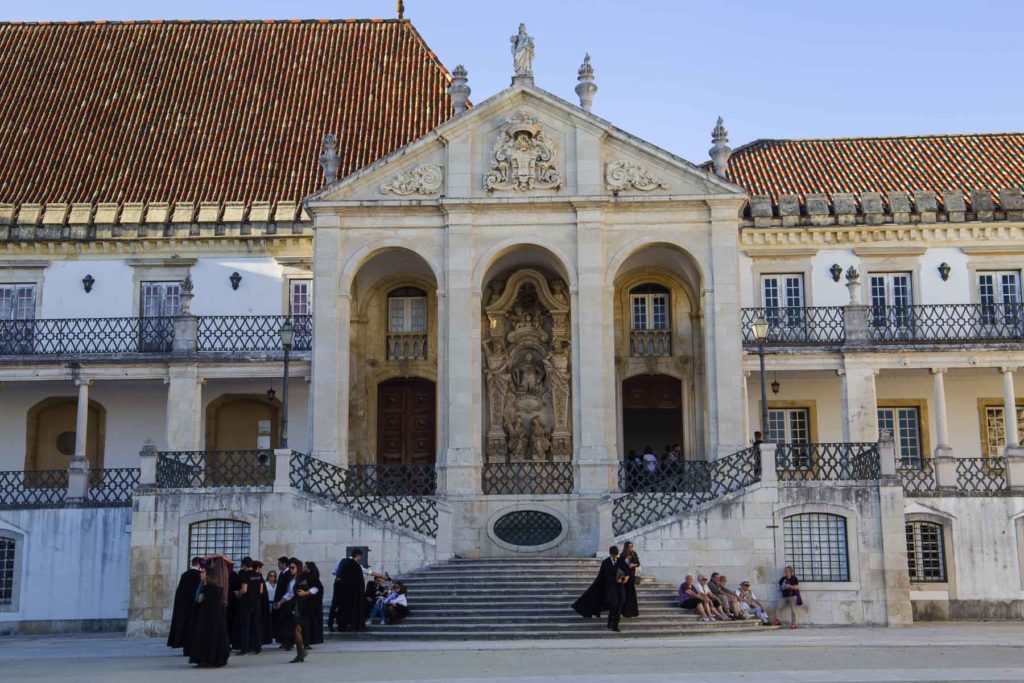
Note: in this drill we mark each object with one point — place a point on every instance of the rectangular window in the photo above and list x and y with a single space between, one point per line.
789 425
926 552
782 296
995 430
161 299
407 314
891 300
905 425
999 296
815 546
650 311
17 302
300 298
227 536
7 567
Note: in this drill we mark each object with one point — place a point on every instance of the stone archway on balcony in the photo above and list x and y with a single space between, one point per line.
50 433
388 343
669 273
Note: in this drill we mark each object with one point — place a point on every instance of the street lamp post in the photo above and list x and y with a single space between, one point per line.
287 334
760 328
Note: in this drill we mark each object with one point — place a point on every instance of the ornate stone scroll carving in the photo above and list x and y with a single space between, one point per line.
622 175
527 370
424 179
522 158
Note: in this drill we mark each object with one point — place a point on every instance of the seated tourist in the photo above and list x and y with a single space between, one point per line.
750 603
377 611
726 601
713 605
689 598
738 611
396 606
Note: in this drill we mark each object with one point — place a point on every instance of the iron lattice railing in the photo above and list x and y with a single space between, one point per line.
650 343
684 476
214 469
407 346
252 332
325 480
521 478
391 480
33 488
60 336
114 486
981 476
701 484
918 478
947 322
797 325
827 461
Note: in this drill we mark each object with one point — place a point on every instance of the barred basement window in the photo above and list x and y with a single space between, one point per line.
7 545
227 536
815 546
926 552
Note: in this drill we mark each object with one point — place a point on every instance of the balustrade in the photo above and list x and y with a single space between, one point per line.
650 343
407 346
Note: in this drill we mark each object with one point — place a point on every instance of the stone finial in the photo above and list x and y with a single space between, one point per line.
720 152
459 90
400 9
329 160
853 285
586 88
522 56
186 295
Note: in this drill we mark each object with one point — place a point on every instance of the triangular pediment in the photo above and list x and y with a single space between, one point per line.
526 142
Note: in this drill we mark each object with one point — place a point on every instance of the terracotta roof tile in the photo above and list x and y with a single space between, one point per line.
929 162
205 111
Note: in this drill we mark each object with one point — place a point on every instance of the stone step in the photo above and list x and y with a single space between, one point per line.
597 630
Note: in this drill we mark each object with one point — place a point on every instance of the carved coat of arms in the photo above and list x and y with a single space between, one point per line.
522 158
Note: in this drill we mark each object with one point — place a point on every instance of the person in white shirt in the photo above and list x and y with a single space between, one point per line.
650 460
396 605
713 605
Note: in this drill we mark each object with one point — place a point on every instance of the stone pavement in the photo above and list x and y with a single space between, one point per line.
947 652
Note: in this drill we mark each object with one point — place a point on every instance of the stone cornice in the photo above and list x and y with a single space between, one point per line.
901 237
292 245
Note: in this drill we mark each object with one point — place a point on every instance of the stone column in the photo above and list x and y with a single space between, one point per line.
1010 409
184 408
723 347
594 364
894 551
746 405
78 468
859 403
941 417
460 463
331 331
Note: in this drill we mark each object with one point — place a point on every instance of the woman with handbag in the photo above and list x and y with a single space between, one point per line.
629 565
789 584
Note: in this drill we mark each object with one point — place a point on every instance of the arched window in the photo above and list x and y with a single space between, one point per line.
926 552
815 546
228 536
407 311
649 306
8 572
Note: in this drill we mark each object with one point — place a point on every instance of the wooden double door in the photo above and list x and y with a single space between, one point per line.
406 422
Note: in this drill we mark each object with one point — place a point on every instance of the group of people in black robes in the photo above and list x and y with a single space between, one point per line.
614 589
217 609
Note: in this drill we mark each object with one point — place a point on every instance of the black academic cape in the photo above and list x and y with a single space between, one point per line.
183 614
348 596
602 594
238 607
283 623
266 623
630 604
316 614
210 645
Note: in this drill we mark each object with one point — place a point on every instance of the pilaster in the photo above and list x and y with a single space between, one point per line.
184 408
331 330
859 403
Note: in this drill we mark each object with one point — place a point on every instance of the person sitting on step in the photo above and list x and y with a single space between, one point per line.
689 598
396 607
750 602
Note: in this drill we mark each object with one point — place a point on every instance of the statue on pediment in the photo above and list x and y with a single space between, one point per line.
522 52
522 158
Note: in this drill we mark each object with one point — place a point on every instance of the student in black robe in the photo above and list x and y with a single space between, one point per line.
183 614
239 606
210 646
347 602
316 609
605 593
628 563
266 630
300 594
281 615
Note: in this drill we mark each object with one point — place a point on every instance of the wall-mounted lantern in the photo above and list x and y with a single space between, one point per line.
236 279
271 394
775 384
88 281
837 272
944 271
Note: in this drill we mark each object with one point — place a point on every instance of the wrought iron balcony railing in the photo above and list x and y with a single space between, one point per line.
407 346
252 332
797 325
214 469
113 487
650 343
947 322
827 461
74 336
33 488
518 478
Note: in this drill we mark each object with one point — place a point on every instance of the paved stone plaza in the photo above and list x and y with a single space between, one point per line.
960 652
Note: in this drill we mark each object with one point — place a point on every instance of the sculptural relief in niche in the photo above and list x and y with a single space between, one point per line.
527 370
522 158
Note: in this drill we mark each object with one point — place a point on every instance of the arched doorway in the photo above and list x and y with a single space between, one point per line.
51 435
242 422
652 412
406 422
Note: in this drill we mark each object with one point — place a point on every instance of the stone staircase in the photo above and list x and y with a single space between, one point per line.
489 599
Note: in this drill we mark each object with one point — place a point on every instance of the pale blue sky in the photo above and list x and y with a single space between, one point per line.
666 69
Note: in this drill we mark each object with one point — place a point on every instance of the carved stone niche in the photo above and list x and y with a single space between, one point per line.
527 370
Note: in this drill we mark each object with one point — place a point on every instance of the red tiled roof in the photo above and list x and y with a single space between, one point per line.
927 162
205 111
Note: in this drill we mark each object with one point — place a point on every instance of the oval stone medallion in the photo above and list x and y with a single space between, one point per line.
527 528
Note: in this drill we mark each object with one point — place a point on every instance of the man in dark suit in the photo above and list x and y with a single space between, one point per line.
606 593
184 606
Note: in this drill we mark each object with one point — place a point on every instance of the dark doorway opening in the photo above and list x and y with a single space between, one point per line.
652 413
406 422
